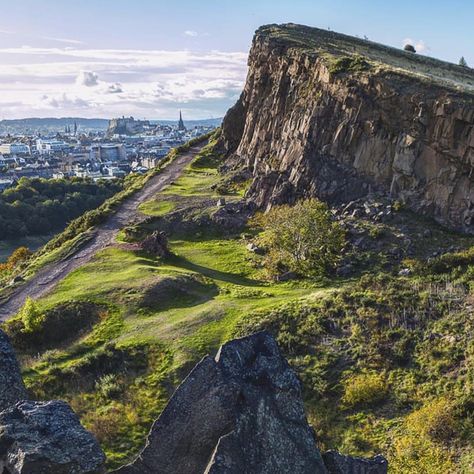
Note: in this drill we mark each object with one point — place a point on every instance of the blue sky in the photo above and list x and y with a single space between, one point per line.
101 58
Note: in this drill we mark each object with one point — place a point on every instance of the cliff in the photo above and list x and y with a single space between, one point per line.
327 115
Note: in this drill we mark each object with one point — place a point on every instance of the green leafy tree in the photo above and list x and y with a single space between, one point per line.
302 238
31 316
462 62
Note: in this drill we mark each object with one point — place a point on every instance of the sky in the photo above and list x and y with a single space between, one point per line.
151 58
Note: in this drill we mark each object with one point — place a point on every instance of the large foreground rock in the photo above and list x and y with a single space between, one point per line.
12 388
239 412
46 438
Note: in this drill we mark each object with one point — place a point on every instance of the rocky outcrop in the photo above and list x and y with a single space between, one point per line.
337 463
127 126
12 388
240 412
336 117
46 438
155 244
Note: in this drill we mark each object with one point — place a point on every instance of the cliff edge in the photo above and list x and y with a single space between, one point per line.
336 117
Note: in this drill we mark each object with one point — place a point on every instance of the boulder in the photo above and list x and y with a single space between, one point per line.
12 388
47 438
241 411
337 463
156 244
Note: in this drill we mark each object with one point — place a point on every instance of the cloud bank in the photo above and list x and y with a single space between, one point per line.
72 80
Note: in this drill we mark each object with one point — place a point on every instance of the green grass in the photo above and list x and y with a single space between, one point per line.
157 208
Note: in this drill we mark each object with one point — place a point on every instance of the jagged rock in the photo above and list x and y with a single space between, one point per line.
156 244
337 463
238 412
233 216
220 202
46 438
303 129
12 388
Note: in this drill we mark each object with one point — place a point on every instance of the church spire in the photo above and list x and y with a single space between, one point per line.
181 126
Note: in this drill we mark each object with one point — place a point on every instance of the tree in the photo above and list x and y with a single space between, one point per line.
462 62
31 316
410 48
302 238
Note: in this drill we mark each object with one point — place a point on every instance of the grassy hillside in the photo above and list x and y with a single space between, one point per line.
386 360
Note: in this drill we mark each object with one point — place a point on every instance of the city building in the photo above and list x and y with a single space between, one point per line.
181 126
108 152
14 149
47 146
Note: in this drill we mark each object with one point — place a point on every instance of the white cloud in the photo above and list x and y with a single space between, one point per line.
95 82
191 33
87 78
420 45
62 40
115 88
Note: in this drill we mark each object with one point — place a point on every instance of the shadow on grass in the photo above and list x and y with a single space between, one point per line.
234 278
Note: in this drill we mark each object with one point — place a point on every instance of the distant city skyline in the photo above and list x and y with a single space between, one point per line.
150 58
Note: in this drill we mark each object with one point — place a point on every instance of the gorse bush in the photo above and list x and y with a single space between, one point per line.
302 238
20 255
364 389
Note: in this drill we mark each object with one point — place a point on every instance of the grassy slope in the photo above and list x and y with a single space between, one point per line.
119 376
181 333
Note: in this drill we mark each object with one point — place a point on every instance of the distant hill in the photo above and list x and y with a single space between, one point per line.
51 124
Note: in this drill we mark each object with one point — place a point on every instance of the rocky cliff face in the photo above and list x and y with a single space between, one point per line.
12 388
337 117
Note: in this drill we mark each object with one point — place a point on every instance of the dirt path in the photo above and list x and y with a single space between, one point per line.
47 278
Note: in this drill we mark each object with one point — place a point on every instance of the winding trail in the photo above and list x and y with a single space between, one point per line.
103 235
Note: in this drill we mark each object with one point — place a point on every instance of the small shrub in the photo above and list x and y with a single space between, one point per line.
31 316
435 420
364 389
108 387
410 48
349 64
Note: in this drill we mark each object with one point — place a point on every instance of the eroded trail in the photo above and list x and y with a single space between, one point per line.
47 278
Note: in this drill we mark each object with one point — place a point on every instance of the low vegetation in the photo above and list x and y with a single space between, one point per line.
346 64
386 360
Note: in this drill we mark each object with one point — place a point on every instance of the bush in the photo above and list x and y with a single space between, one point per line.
20 255
410 48
367 388
349 64
435 420
302 238
31 317
35 331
